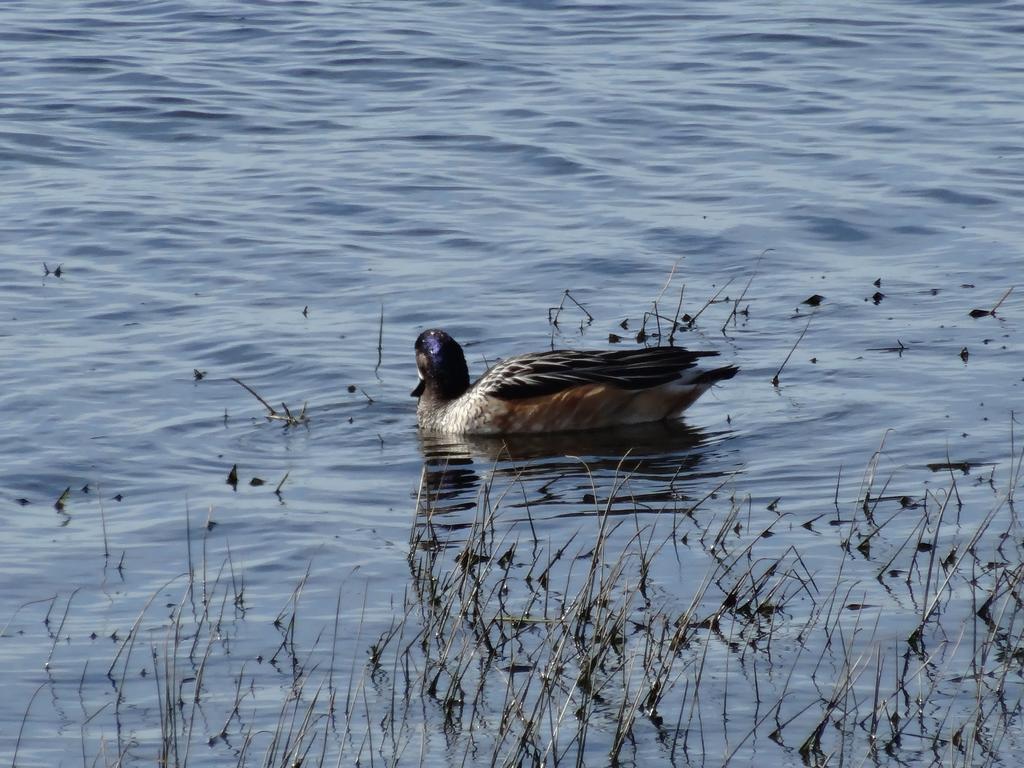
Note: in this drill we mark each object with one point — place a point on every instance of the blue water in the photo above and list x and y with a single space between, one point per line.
203 173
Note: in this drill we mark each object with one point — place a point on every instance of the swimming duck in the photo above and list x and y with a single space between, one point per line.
556 391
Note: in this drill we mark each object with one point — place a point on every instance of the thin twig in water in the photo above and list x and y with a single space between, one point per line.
590 317
288 417
675 320
103 525
1001 300
553 312
24 719
254 393
668 281
60 628
50 600
736 304
775 378
710 302
380 340
983 312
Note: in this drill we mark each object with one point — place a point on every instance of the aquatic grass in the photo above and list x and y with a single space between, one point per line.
679 321
582 643
757 598
656 630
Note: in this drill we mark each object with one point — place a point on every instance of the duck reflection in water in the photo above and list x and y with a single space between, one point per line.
567 474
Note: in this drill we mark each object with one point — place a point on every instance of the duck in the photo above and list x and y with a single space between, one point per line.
556 391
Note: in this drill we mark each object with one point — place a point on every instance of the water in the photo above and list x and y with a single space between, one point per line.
204 173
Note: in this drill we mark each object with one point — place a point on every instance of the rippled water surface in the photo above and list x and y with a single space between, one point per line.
288 193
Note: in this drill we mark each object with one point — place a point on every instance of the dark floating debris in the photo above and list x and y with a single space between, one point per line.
877 283
62 500
964 354
351 388
945 466
280 485
233 477
23 501
85 488
624 325
257 481
614 338
813 301
976 313
57 272
305 311
877 297
197 374
118 497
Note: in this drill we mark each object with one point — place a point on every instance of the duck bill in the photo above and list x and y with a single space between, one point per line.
419 389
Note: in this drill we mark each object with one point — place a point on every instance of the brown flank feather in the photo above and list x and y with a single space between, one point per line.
594 406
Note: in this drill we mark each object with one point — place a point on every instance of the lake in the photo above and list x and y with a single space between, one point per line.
825 568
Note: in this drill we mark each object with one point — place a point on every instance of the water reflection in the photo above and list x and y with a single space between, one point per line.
648 468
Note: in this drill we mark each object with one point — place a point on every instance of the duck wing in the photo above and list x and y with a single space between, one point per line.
546 373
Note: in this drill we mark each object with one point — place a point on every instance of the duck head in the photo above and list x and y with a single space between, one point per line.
441 366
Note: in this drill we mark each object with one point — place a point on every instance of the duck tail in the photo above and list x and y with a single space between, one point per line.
709 378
